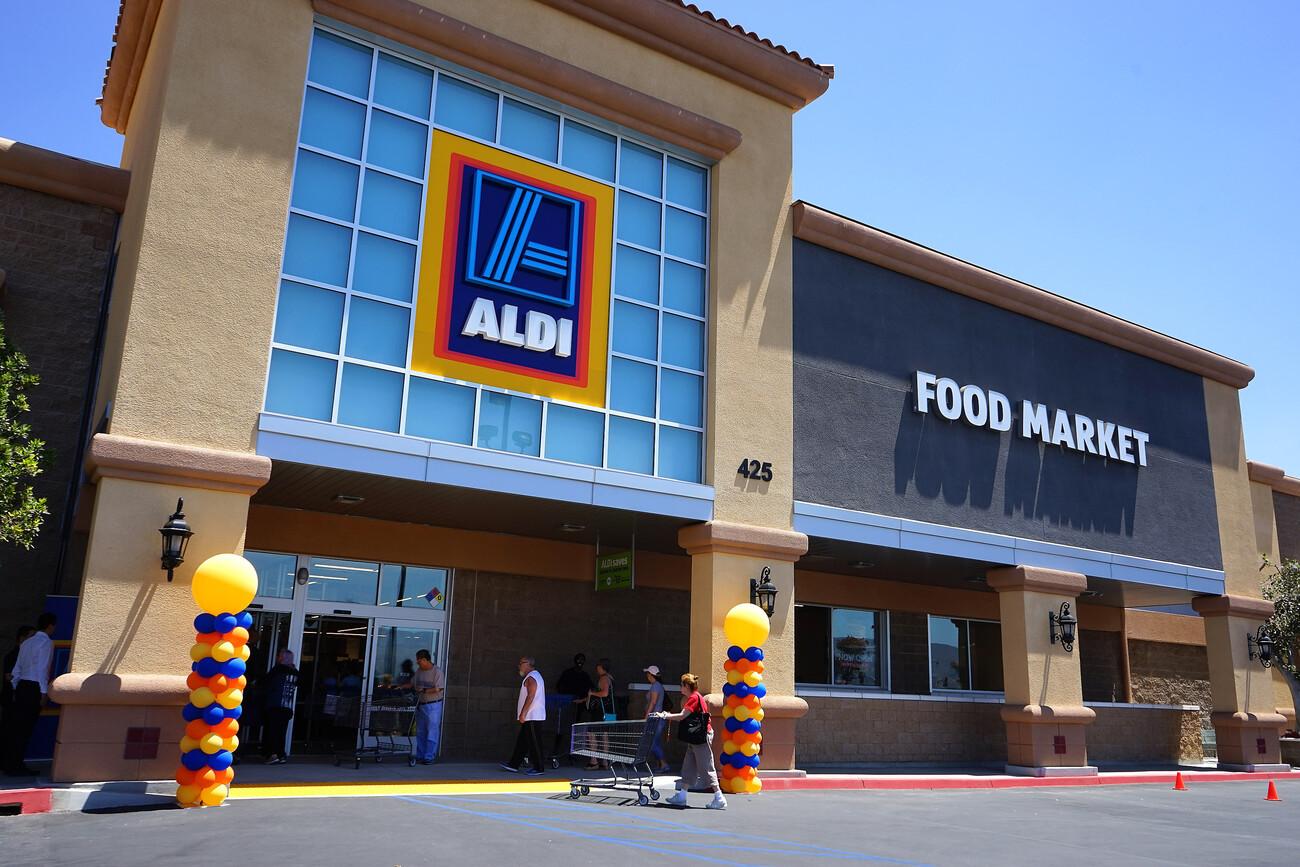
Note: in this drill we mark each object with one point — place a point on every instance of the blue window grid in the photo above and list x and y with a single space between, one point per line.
354 225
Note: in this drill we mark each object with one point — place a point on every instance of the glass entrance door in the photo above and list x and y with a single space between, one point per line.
396 644
331 683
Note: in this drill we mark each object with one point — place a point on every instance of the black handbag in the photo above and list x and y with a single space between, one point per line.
694 727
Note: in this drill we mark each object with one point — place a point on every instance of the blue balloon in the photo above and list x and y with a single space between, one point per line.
233 667
220 760
213 714
732 724
754 654
245 620
203 623
728 689
235 712
194 759
751 726
735 654
225 623
760 690
190 713
742 690
207 666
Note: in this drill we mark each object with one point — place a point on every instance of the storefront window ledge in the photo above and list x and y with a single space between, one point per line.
1135 706
821 691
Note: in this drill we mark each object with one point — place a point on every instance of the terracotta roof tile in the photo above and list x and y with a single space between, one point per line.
749 34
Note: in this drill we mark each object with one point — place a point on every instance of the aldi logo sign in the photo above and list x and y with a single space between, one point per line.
514 274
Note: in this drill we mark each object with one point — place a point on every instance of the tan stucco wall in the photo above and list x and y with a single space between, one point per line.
1232 490
1266 541
210 144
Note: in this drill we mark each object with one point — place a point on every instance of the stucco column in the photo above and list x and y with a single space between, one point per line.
1044 711
724 557
134 630
1245 717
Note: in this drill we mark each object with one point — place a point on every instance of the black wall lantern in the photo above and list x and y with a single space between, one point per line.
175 537
1260 646
1061 627
762 592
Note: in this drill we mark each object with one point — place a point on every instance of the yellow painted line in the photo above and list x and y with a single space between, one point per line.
389 789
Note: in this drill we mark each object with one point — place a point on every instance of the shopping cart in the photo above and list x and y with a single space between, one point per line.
388 722
625 744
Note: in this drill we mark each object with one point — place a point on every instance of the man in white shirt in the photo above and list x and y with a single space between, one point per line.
530 713
31 680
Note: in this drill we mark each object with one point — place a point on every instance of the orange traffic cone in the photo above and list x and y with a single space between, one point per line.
1272 792
1179 785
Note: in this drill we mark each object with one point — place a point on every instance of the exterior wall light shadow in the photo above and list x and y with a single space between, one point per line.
1260 646
762 592
1061 627
175 537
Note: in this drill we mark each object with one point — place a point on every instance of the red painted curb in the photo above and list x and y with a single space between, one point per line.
27 801
837 782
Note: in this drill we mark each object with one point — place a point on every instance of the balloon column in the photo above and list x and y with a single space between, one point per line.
222 584
746 628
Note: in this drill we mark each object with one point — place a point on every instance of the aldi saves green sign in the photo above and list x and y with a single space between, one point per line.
614 571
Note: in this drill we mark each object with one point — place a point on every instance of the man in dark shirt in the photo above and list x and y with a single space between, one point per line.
281 689
573 686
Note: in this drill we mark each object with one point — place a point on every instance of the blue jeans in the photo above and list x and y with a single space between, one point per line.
428 727
657 749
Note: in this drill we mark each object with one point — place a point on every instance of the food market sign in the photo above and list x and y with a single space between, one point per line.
982 407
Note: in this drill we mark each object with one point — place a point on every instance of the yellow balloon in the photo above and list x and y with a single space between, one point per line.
757 714
188 743
749 748
187 796
212 796
754 786
222 651
211 743
743 713
734 677
224 584
746 625
200 651
753 678
728 746
728 712
245 652
202 697
231 743
230 698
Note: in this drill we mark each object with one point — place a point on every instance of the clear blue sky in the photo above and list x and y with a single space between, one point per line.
1143 158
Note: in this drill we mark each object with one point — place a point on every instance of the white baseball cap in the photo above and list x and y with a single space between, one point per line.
654 669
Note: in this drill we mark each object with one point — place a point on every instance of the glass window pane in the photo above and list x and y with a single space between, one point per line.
986 655
397 143
378 332
466 108
339 63
404 86
683 342
855 647
812 641
588 150
510 424
681 398
390 590
683 287
383 267
440 411
631 445
370 398
636 330
638 220
948 666
333 123
332 580
391 204
688 185
636 274
641 169
309 316
679 454
317 250
301 385
325 186
574 435
632 387
685 235
274 573
530 130
424 587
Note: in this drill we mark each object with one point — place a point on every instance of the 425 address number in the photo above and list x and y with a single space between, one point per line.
757 470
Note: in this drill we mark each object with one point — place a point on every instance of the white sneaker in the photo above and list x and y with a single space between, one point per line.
678 800
718 802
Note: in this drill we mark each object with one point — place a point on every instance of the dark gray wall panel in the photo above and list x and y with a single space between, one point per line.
860 334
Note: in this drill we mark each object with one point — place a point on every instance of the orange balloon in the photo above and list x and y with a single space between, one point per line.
728 665
733 701
225 775
237 636
196 729
743 665
218 683
728 772
205 777
750 701
742 737
227 728
240 682
747 772
194 681
756 666
207 638
184 776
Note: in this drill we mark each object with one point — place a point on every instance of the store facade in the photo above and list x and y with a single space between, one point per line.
426 308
